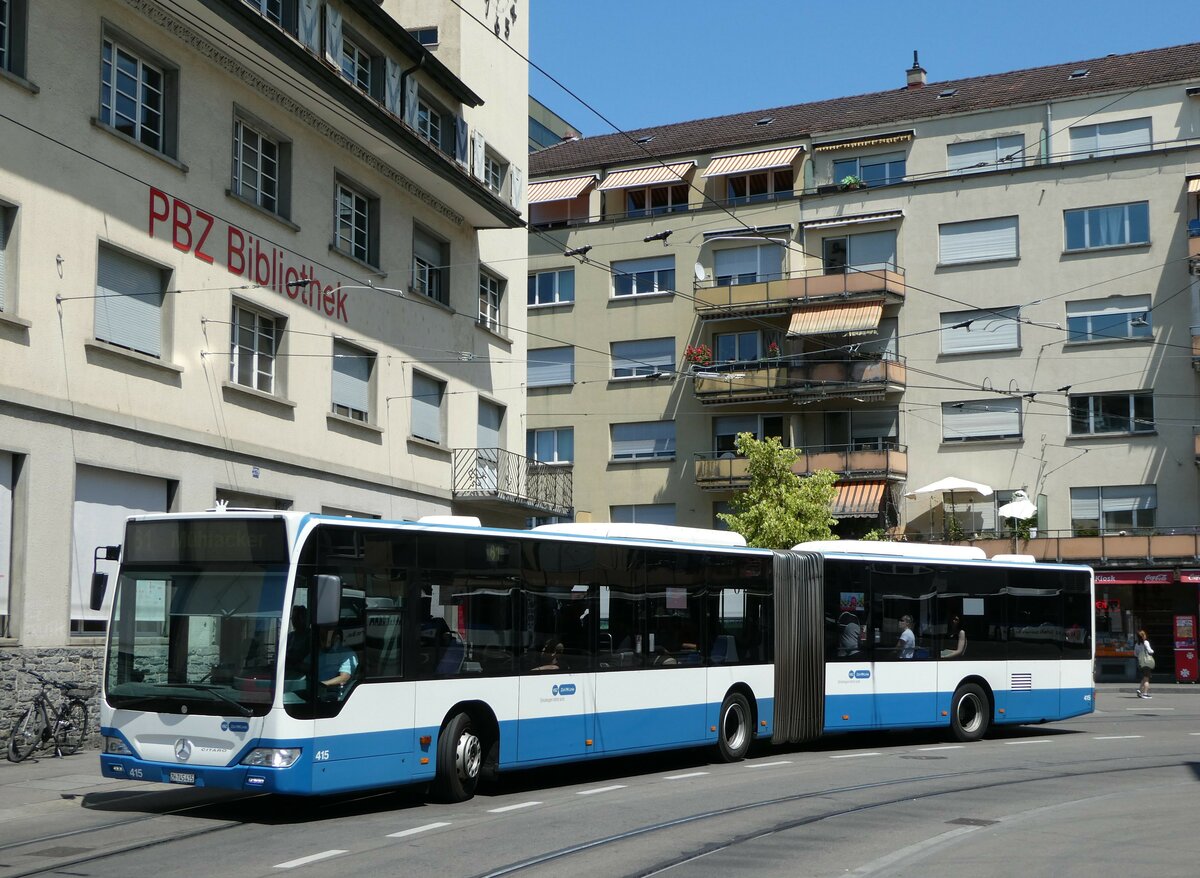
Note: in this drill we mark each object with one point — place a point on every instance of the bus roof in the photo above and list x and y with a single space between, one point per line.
665 533
895 550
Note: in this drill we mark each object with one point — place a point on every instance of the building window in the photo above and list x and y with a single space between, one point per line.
552 287
1116 225
643 513
548 367
1113 509
426 36
726 430
748 265
491 293
1110 138
431 261
555 445
494 172
655 200
255 349
643 357
269 9
428 414
986 155
261 166
640 277
129 302
1105 413
13 25
975 420
136 96
1116 318
875 170
871 251
356 64
357 224
983 240
760 186
429 123
7 215
991 329
736 347
352 368
643 441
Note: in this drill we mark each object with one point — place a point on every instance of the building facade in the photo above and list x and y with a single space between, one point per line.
252 253
992 279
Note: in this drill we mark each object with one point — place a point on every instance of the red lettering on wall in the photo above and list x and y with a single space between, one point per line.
235 259
207 219
156 213
181 223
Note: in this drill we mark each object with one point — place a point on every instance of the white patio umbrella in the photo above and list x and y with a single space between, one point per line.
1020 507
949 486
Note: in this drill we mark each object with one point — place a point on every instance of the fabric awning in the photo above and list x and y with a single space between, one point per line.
858 499
560 190
853 319
1194 186
881 216
749 162
651 176
859 142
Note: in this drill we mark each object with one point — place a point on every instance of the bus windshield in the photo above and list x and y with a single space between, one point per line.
197 636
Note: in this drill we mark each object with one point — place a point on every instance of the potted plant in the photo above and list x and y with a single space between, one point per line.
851 182
698 355
773 350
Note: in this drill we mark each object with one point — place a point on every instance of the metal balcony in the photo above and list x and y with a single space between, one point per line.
493 477
806 378
798 289
883 459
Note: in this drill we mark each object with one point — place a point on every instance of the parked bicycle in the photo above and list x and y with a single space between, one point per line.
54 719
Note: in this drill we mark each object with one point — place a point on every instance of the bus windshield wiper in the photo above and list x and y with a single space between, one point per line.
213 690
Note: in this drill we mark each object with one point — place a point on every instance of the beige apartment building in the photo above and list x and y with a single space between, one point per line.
254 253
993 279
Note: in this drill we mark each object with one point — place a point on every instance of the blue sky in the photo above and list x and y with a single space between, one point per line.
654 61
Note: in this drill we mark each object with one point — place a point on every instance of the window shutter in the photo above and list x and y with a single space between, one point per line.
351 377
1124 135
646 513
643 355
427 247
129 303
732 263
518 186
1085 504
477 156
410 101
977 240
461 140
1110 305
873 250
427 408
647 439
333 36
550 366
1127 498
309 14
993 330
636 266
993 418
964 156
488 433
731 425
392 88
866 426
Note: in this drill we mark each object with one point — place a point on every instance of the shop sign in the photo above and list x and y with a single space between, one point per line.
1134 577
1192 576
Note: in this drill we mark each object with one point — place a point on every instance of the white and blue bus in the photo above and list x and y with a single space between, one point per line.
309 654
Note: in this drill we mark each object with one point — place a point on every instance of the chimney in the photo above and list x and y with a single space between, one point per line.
916 73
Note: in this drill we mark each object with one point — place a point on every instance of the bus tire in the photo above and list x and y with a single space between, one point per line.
734 728
970 713
459 759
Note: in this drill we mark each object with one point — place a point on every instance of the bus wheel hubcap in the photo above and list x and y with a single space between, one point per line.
468 756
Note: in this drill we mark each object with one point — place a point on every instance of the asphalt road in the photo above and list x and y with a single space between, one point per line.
1113 793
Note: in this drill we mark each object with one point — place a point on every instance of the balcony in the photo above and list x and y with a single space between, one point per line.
797 289
504 481
804 378
1194 245
1117 550
882 459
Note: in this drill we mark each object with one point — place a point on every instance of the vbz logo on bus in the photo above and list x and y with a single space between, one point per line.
860 675
564 689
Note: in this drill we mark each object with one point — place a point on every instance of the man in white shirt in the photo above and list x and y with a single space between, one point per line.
907 645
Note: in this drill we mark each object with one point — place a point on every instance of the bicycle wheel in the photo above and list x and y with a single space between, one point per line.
28 733
72 726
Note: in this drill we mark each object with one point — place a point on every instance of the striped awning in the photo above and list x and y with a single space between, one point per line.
858 499
1193 185
852 319
651 176
749 162
881 216
559 190
860 142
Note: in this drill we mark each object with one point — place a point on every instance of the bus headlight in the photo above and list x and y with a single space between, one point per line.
116 747
267 757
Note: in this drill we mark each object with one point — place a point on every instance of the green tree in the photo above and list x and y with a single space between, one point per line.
780 509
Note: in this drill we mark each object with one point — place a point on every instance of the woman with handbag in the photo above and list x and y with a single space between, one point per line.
1144 653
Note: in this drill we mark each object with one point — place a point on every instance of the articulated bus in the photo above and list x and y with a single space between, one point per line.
308 654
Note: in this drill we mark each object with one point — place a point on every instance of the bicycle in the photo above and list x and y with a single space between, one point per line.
63 724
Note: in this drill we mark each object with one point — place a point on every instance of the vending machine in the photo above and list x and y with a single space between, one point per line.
1185 649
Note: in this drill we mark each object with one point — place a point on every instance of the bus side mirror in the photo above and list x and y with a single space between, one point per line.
329 599
99 587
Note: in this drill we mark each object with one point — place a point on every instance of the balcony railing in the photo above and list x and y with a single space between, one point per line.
1116 550
495 476
816 286
881 459
799 377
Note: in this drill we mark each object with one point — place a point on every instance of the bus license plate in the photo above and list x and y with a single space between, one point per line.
188 777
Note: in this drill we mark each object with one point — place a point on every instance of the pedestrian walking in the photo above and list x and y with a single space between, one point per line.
1144 653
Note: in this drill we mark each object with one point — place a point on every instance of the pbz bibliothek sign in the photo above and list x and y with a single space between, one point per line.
216 242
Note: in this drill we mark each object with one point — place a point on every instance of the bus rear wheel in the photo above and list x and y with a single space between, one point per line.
459 759
734 728
970 713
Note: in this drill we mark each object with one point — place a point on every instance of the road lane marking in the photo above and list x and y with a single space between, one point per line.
1113 737
703 773
405 832
1038 741
768 764
855 755
946 747
312 858
1149 708
516 807
616 786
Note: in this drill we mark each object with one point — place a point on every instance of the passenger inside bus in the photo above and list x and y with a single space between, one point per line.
906 647
850 634
299 641
956 637
551 657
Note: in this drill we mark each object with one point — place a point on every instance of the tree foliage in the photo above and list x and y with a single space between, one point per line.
780 509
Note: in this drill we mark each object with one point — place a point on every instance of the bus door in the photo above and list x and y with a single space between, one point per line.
1036 635
906 666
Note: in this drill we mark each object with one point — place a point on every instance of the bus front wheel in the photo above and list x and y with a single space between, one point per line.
970 713
459 759
734 728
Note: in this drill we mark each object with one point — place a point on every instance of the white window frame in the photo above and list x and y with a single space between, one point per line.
1127 225
650 276
491 297
1118 136
356 64
431 391
147 98
272 10
494 172
968 156
353 217
982 240
1086 318
559 296
552 361
776 186
767 266
980 331
642 358
420 34
742 342
429 122
429 279
861 163
677 199
263 330
254 151
658 435
981 420
1087 410
561 452
349 361
1094 508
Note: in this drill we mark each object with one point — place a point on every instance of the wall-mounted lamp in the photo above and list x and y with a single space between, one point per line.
657 236
578 251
